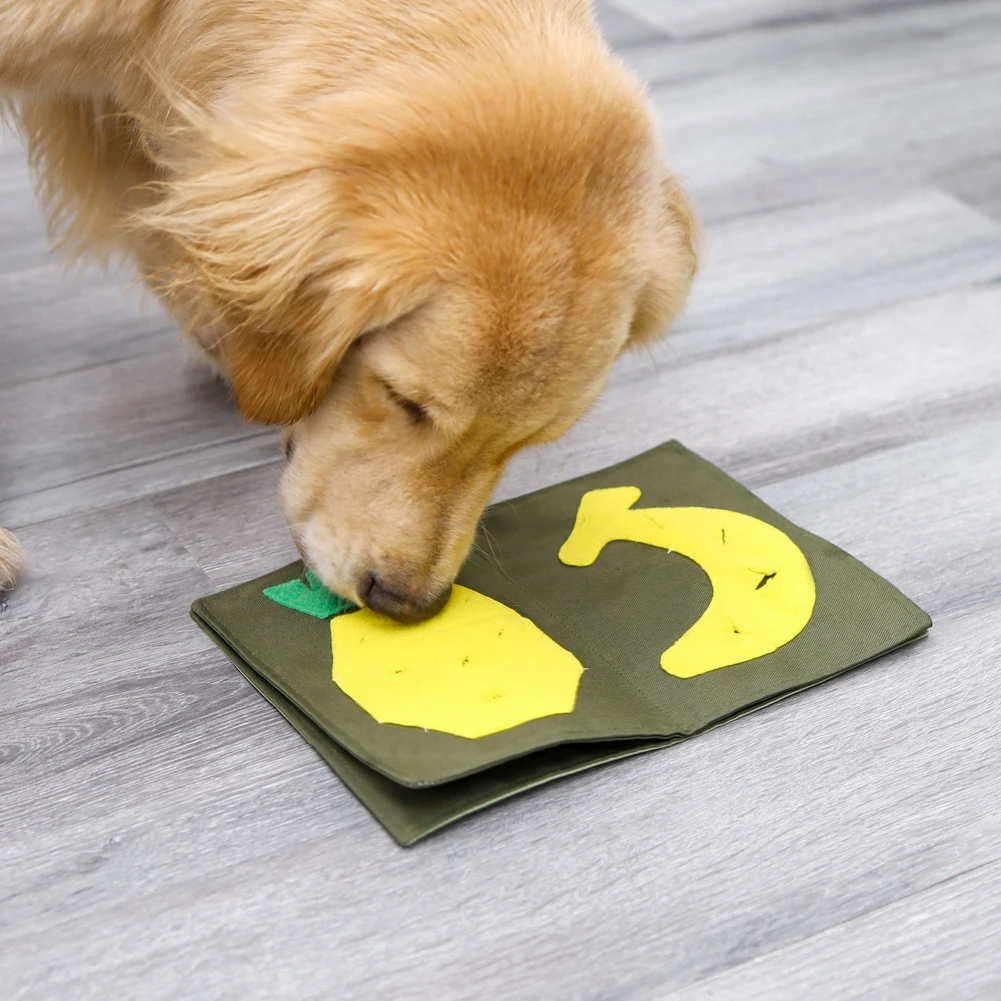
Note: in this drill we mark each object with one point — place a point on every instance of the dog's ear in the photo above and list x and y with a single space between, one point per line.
674 264
260 249
278 377
280 374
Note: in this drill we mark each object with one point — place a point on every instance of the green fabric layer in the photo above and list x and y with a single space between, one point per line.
307 594
616 616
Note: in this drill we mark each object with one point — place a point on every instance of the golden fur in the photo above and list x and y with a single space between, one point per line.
11 559
417 234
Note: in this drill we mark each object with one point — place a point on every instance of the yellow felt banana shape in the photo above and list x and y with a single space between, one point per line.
763 590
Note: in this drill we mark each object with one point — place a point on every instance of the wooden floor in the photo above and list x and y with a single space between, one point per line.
164 835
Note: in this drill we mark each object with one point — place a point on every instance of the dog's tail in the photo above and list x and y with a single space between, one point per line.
12 559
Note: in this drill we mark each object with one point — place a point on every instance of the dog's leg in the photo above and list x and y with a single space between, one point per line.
11 559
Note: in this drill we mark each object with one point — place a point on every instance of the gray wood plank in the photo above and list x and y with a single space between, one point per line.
684 19
896 45
104 601
23 242
252 541
55 317
115 709
55 322
240 861
778 160
621 29
941 943
118 431
771 273
10 148
977 182
785 116
785 405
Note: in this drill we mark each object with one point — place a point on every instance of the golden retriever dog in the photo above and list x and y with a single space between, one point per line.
415 234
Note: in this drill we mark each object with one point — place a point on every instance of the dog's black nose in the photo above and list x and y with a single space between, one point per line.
403 606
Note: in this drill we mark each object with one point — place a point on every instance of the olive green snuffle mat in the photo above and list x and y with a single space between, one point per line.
606 616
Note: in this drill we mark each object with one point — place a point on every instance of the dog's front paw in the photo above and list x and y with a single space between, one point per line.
12 559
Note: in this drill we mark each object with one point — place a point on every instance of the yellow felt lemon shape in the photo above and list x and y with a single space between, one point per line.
763 590
476 668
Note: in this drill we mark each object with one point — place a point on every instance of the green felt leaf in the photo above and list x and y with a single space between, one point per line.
310 597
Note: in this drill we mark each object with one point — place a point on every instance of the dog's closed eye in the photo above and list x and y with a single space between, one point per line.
415 412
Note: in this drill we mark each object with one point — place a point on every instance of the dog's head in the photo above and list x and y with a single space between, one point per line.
446 278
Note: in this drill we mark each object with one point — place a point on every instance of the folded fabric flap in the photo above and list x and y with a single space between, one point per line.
410 814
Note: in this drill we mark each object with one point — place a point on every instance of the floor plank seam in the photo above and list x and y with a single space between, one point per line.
149 333
138 464
872 9
981 407
820 933
674 359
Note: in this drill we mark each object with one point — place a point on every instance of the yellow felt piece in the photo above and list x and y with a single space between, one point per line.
476 668
763 589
